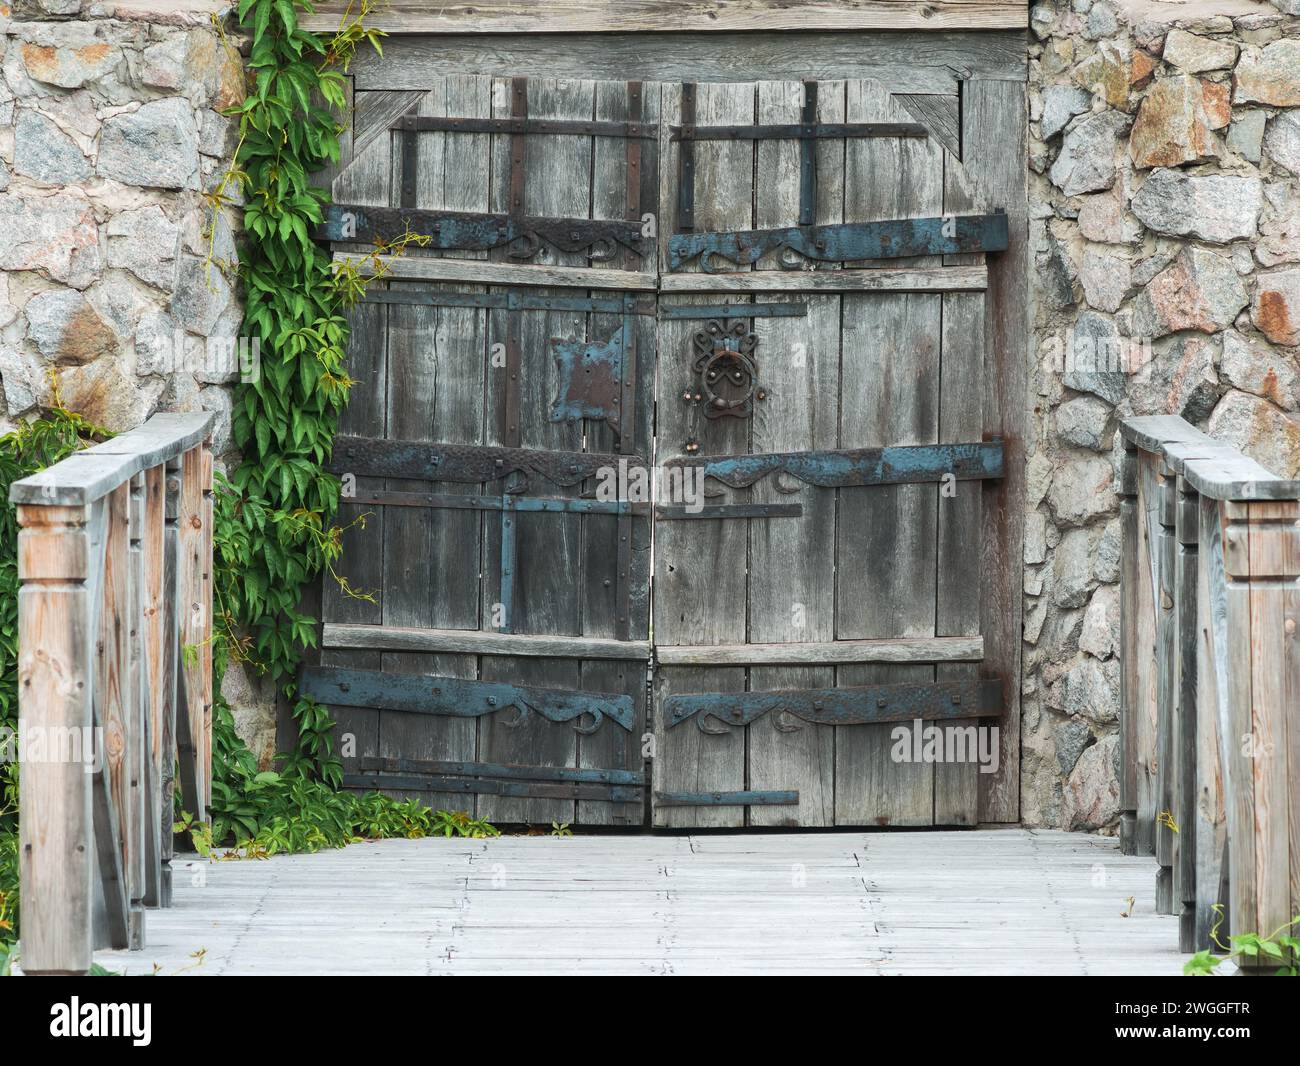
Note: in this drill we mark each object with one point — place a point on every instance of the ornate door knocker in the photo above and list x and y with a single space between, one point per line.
727 369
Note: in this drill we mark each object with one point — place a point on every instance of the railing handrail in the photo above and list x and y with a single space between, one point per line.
1210 672
1212 468
115 572
92 473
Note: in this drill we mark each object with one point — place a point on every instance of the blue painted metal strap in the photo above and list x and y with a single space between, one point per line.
858 705
511 771
790 310
460 698
746 798
479 786
840 243
897 465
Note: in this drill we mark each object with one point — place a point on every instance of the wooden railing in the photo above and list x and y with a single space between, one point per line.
115 689
1210 686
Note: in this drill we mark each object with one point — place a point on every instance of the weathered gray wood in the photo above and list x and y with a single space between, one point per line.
192 732
887 535
1211 467
1166 692
1129 655
940 114
480 272
994 142
1146 699
115 710
700 578
960 580
547 598
651 16
1212 740
1273 570
791 593
472 642
1187 530
137 706
154 681
55 680
969 278
169 689
88 475
906 62
903 650
435 372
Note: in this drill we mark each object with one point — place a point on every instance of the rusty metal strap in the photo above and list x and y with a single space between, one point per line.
797 131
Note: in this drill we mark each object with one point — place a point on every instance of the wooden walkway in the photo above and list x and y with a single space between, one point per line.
995 901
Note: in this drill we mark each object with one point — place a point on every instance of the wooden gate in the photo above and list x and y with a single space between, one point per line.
750 335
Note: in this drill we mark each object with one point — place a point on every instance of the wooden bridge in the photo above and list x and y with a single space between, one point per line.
115 561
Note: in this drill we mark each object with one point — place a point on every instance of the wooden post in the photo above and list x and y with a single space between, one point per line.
206 622
1185 815
1263 569
137 706
1166 767
1128 612
169 687
153 615
191 731
56 620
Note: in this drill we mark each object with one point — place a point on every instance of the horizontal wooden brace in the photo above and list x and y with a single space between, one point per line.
480 786
480 642
483 272
770 798
569 505
462 698
513 301
902 650
492 17
506 771
798 131
559 126
968 278
857 705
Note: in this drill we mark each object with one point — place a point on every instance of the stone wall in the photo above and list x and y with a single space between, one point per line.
1165 224
117 277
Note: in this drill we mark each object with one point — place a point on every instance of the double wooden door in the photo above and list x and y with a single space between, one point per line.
668 463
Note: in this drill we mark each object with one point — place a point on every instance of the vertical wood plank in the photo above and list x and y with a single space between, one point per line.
137 696
57 632
1212 762
960 579
700 579
1187 530
153 679
1130 682
887 535
114 702
191 745
1166 765
994 139
170 685
791 568
206 620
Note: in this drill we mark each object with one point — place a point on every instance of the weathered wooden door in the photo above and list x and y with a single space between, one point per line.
500 665
843 599
704 288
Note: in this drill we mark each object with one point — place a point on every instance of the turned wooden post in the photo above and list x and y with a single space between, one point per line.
57 623
1262 564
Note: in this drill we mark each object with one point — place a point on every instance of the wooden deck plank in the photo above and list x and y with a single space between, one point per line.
988 902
